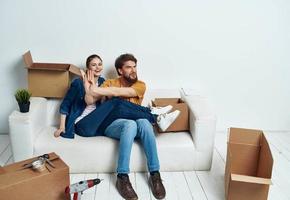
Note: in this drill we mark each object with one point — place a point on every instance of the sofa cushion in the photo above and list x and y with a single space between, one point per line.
99 154
53 115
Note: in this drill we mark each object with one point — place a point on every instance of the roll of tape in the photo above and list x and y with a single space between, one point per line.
38 165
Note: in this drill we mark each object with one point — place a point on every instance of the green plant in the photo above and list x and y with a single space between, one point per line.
22 96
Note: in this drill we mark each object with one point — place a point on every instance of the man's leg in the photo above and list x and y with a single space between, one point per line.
146 134
125 131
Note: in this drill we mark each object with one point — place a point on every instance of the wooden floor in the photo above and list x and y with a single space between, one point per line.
192 185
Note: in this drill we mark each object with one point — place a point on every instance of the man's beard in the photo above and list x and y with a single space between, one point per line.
131 80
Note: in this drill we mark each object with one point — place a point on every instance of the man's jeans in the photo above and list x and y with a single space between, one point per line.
126 131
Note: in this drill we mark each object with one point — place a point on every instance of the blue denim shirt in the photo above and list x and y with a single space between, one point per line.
74 104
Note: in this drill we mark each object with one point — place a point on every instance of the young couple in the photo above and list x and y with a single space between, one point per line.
112 108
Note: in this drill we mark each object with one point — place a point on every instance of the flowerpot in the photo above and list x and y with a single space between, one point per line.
24 107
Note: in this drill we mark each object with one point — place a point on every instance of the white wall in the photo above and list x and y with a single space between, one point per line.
235 52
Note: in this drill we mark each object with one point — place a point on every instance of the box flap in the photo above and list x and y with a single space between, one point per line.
27 59
265 160
166 101
244 158
50 66
250 179
227 171
245 136
75 70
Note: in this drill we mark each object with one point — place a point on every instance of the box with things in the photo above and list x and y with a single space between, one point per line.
248 165
181 123
49 79
27 184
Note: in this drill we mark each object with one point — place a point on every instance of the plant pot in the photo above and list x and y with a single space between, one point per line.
24 107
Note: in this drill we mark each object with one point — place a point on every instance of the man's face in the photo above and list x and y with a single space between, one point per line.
129 71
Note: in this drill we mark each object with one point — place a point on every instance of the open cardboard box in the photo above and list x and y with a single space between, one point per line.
26 184
181 123
248 166
49 79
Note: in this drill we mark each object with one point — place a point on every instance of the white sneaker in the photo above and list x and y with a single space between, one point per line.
161 110
165 120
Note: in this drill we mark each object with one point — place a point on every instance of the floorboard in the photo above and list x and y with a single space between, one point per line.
191 185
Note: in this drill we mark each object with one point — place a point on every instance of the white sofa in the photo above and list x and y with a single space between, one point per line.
31 135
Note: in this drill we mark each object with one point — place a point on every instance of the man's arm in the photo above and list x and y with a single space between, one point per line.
90 98
98 92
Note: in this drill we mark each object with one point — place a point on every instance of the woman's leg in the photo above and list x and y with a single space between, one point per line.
88 126
108 112
127 110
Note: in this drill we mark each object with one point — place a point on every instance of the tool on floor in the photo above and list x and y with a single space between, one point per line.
78 188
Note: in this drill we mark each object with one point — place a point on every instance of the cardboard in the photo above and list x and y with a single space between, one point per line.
49 79
248 166
26 184
181 123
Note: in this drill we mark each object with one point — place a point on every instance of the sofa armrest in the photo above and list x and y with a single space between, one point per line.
202 121
25 127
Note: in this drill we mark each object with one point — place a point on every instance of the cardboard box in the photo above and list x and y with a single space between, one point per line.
49 79
248 166
27 184
181 123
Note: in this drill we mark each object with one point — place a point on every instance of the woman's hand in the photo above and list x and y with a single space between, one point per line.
85 81
91 78
58 132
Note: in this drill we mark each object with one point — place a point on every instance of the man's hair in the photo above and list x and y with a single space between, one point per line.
90 58
122 59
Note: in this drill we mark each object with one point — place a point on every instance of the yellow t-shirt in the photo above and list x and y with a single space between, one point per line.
139 87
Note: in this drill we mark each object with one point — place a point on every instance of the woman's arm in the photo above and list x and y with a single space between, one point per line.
66 104
61 126
88 82
71 94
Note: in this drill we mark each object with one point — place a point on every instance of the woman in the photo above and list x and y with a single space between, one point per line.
73 107
91 120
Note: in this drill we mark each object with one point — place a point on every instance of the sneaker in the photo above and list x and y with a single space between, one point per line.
125 188
157 186
165 120
161 110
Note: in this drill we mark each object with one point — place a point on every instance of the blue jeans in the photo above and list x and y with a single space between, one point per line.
126 131
97 121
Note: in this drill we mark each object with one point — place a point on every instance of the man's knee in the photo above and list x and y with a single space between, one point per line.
129 127
143 125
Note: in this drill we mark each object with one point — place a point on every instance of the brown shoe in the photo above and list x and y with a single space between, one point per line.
157 186
125 188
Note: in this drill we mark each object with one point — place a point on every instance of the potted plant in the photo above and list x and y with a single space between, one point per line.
22 97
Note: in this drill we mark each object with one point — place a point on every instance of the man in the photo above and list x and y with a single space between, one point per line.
128 87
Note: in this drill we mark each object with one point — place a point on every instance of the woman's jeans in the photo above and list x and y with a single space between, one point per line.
98 120
126 131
